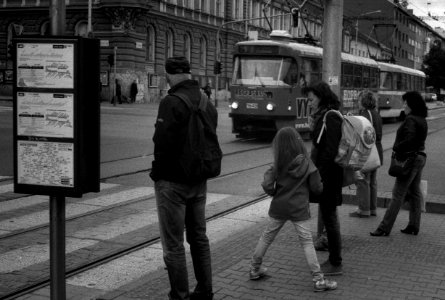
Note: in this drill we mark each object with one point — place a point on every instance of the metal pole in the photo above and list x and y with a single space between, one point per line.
57 15
89 27
332 33
356 37
114 76
57 247
57 204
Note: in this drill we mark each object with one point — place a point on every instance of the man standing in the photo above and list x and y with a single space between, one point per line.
207 90
180 201
133 91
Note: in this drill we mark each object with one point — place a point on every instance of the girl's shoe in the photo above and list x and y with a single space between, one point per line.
324 285
257 273
379 232
410 230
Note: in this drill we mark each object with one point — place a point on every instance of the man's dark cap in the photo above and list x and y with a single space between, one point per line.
177 65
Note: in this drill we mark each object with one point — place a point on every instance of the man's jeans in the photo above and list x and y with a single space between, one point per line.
367 193
182 205
304 236
332 225
406 189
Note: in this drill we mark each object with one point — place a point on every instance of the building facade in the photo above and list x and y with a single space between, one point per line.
138 35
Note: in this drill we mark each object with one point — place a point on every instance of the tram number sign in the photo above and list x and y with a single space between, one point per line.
252 105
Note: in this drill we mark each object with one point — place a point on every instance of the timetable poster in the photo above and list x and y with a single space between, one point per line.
45 163
45 114
45 65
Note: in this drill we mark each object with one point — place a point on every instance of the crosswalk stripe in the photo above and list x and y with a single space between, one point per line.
73 209
133 266
31 200
26 256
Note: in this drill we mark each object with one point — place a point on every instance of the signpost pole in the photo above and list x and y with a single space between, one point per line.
57 203
332 31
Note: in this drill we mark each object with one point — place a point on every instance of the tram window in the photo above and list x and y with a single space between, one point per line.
404 80
357 76
366 74
398 81
373 78
312 70
410 83
265 71
386 80
347 75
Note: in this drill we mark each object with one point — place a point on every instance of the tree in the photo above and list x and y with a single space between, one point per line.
433 66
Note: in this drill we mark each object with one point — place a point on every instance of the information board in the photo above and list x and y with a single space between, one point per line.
48 65
56 115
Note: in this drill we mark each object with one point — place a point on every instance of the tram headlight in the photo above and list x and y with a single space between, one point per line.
234 105
270 107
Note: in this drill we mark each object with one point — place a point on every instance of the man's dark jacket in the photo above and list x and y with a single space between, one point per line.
171 129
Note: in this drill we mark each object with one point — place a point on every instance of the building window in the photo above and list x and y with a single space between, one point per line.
169 44
203 52
81 29
150 42
204 7
187 46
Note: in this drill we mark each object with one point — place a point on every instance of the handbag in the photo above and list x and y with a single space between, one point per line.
400 167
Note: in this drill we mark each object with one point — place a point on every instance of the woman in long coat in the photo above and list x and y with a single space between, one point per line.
323 153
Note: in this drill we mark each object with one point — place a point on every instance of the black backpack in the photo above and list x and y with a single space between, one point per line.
202 155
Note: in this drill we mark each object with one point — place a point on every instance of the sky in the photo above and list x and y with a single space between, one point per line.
436 8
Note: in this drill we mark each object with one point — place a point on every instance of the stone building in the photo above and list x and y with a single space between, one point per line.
143 33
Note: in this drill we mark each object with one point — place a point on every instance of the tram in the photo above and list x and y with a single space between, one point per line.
268 76
395 80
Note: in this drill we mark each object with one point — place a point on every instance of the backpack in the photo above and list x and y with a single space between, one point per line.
201 156
357 139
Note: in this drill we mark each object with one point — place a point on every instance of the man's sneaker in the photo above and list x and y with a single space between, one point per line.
329 269
257 273
324 285
201 296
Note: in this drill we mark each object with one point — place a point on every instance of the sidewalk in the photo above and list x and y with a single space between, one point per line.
395 267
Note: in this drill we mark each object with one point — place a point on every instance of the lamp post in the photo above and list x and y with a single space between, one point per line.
356 24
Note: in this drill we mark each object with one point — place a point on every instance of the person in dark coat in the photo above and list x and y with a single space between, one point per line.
181 201
133 91
367 182
118 92
409 143
207 90
323 153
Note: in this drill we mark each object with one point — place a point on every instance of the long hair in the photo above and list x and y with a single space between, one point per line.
286 145
368 99
328 98
416 103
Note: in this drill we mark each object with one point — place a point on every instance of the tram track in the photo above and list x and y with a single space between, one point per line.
41 283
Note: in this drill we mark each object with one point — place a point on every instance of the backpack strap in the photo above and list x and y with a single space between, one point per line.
323 128
202 105
370 116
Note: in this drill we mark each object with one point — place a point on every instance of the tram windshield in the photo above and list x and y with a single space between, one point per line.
265 71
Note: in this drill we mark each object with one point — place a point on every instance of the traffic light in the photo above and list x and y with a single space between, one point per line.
217 67
110 60
295 13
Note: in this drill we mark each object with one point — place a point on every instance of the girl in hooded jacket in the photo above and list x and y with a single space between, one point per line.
289 181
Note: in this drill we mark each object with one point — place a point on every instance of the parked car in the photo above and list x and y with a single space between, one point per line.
430 97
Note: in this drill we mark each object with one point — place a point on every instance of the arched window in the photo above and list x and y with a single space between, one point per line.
81 29
203 52
169 44
150 44
187 46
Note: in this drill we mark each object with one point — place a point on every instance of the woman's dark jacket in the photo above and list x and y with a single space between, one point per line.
171 129
290 189
411 136
323 155
377 124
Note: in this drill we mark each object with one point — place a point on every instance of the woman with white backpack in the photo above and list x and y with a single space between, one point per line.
367 182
